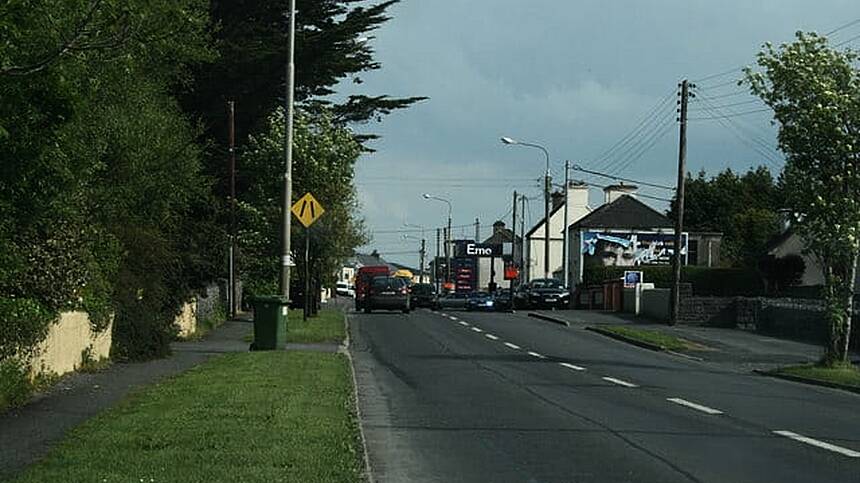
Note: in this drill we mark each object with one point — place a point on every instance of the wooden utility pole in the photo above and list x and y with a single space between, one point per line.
421 261
675 301
477 230
232 299
513 244
436 260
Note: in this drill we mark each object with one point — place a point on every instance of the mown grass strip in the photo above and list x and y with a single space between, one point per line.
265 416
659 340
846 375
328 326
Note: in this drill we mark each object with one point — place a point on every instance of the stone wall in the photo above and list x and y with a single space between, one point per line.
62 350
710 311
655 304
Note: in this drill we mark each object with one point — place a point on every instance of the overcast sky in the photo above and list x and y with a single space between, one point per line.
576 76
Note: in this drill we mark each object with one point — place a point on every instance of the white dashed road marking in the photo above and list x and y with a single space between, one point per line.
820 444
464 324
513 346
571 366
619 382
535 354
491 337
477 329
692 405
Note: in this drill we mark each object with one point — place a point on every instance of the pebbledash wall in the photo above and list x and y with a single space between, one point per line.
71 336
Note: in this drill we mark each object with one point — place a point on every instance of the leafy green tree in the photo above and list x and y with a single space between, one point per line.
814 91
744 208
324 156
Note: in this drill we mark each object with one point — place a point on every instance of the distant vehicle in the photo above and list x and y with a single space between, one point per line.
502 300
452 300
388 293
546 293
344 289
423 295
480 301
362 282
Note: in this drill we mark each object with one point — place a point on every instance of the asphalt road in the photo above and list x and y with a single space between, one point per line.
504 397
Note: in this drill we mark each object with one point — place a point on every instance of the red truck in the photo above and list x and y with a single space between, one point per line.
362 282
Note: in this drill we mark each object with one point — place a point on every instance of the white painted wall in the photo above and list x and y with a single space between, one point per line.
577 205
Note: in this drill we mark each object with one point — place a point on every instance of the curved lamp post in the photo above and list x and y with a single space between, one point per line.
512 142
428 196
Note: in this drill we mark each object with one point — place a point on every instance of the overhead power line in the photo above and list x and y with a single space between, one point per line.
576 167
745 113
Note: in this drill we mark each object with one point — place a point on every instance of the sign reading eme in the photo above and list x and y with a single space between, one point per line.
482 250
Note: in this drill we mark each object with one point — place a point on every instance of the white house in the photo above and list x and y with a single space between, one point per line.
577 206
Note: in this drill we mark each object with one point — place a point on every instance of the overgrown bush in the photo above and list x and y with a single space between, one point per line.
782 272
15 385
23 324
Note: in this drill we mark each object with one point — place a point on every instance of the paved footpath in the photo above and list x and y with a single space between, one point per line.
28 433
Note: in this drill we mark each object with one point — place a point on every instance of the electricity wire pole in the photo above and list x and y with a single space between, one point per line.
564 242
232 299
679 207
287 194
514 245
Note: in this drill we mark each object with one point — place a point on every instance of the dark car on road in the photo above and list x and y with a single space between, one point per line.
388 293
423 295
453 300
547 293
502 300
480 301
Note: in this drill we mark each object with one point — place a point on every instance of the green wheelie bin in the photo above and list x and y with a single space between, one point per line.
270 322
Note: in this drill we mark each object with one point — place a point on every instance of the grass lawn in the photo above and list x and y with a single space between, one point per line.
846 375
670 342
262 416
327 327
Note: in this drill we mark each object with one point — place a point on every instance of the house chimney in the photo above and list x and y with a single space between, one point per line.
498 226
615 191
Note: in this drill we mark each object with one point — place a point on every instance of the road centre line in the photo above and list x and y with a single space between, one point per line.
535 354
464 324
491 337
477 329
571 366
819 444
513 346
619 382
692 405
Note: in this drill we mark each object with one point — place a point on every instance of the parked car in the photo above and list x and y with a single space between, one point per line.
521 296
502 300
362 282
480 301
388 293
547 293
344 289
452 300
423 295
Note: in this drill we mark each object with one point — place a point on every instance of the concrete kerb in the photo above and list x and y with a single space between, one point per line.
629 340
368 472
806 380
549 318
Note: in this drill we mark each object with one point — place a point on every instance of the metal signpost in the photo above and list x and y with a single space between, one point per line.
307 210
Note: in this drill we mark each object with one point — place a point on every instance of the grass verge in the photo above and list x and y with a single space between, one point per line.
263 416
328 326
846 375
650 337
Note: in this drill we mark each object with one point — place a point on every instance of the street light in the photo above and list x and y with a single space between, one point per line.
428 196
513 142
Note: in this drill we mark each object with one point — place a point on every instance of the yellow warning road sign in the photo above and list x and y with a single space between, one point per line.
307 210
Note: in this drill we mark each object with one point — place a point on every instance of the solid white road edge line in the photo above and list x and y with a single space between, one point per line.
491 337
571 366
619 382
692 405
820 444
513 346
535 354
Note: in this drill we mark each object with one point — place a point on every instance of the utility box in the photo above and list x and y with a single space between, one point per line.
270 322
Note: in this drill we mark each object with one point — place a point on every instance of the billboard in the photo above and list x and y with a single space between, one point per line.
630 249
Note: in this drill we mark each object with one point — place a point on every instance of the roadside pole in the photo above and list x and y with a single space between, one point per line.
287 193
307 303
564 262
675 301
513 245
421 261
231 107
436 261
